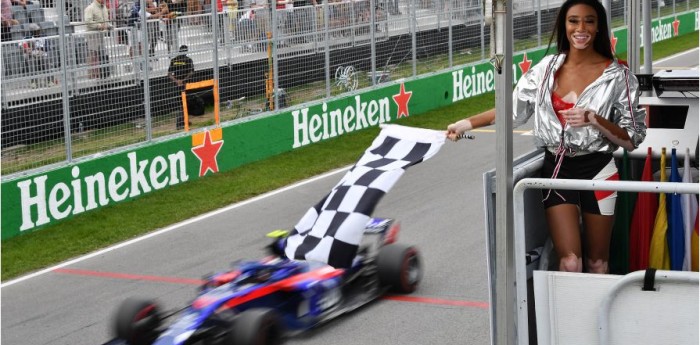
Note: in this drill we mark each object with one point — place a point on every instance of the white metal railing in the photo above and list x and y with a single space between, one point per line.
634 278
517 232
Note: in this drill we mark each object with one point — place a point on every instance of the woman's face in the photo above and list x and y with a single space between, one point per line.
581 26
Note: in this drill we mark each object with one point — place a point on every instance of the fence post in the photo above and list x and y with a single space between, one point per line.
146 69
539 23
483 23
673 8
412 18
327 55
449 33
275 74
215 54
228 35
373 41
64 85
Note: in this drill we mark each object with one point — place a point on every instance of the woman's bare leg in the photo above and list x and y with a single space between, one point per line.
563 223
597 235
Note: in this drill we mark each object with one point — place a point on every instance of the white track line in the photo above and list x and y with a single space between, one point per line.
174 226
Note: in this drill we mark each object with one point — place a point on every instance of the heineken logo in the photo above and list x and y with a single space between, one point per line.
330 123
662 31
44 200
471 84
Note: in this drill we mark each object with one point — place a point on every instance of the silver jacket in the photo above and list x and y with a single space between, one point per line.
613 95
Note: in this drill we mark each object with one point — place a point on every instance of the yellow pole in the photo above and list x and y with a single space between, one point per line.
269 81
216 102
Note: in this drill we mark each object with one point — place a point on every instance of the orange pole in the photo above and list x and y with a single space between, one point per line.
184 110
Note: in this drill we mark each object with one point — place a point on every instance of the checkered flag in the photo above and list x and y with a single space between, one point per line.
331 230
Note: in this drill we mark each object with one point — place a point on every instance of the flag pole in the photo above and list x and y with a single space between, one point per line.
502 60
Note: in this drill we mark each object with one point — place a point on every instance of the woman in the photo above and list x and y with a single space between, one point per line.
585 104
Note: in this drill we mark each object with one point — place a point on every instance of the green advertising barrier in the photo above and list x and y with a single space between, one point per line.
32 202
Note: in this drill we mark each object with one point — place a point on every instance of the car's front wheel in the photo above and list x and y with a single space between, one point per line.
399 267
137 321
258 326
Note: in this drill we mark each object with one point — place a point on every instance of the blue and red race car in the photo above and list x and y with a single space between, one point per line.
265 301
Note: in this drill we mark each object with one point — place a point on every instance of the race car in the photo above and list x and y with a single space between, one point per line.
265 301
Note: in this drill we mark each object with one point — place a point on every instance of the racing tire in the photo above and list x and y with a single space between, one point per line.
399 267
256 326
137 321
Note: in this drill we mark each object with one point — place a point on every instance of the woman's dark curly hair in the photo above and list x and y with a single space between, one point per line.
601 44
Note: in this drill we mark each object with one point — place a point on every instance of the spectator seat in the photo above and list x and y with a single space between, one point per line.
36 15
16 32
26 31
49 28
12 59
20 14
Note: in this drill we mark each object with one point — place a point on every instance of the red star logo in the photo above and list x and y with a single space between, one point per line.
207 154
401 100
525 64
676 23
613 41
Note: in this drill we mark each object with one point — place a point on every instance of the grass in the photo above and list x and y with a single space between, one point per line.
98 229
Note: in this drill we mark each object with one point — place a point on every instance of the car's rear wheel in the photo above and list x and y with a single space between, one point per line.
258 326
137 321
399 267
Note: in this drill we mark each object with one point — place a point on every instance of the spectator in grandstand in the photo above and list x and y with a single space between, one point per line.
153 12
180 72
177 6
220 19
361 10
194 7
259 15
96 18
304 18
231 10
585 105
249 28
393 7
339 12
151 30
36 57
7 20
171 24
285 9
135 34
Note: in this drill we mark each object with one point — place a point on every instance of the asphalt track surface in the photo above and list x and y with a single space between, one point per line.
439 203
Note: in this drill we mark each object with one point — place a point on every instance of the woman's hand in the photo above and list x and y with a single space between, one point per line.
458 128
578 117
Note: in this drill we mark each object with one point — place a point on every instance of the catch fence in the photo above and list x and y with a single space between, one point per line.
71 90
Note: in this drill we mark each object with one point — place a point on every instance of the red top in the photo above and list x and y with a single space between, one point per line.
559 104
